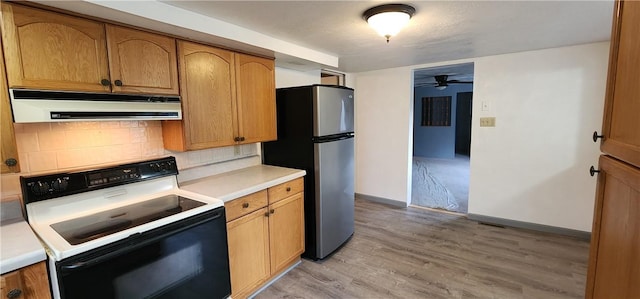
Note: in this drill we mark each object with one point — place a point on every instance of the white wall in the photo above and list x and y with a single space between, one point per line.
288 77
532 166
383 133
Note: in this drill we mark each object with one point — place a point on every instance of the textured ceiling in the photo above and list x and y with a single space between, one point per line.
439 31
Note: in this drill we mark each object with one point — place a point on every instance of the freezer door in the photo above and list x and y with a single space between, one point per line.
334 179
333 110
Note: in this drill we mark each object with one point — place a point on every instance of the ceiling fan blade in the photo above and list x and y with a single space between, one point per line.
460 82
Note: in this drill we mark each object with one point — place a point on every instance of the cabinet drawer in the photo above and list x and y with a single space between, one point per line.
284 190
245 205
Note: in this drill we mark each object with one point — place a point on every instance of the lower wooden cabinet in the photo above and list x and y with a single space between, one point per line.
286 232
30 282
248 239
266 239
614 261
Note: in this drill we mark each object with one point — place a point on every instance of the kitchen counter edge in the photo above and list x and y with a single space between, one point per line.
20 247
230 185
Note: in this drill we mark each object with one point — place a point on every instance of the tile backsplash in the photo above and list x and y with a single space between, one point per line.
63 146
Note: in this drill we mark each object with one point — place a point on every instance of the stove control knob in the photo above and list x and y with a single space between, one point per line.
60 184
40 188
155 167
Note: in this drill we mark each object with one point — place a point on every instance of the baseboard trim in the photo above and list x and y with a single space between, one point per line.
531 226
274 279
382 200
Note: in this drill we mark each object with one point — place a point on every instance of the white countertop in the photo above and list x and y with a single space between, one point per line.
231 185
19 246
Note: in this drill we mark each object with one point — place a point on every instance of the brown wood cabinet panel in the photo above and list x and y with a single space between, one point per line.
142 62
7 138
248 239
286 226
614 262
621 126
284 190
256 97
47 50
31 281
208 92
244 205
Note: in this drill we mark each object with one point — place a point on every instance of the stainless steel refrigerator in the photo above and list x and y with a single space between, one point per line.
315 133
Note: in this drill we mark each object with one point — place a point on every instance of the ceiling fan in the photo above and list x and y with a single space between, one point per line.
442 82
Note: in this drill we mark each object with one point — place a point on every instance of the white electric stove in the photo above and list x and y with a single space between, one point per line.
128 231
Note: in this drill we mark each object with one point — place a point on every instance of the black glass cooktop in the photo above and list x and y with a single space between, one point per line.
83 229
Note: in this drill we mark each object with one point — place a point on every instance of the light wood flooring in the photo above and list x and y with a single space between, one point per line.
416 253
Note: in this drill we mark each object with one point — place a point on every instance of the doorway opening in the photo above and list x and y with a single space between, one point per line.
443 101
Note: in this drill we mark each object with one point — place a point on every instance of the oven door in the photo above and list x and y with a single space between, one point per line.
185 259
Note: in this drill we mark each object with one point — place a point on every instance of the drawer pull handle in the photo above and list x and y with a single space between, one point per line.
596 136
245 205
15 293
593 171
288 189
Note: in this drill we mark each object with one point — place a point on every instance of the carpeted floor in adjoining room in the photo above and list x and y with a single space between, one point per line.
441 183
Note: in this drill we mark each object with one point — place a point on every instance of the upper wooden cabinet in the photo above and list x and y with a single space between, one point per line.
621 126
256 99
141 62
227 98
208 99
7 137
48 50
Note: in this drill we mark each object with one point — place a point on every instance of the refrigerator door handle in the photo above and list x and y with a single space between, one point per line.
330 138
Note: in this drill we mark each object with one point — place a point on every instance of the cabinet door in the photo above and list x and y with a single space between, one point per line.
47 50
614 262
208 93
142 62
622 103
256 98
286 225
11 283
7 137
31 282
248 239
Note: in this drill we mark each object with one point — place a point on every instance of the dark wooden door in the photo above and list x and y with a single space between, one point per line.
464 102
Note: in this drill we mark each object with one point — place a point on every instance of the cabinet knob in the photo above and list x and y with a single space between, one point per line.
118 83
11 162
15 293
236 139
105 82
245 205
272 211
596 136
266 214
288 189
593 170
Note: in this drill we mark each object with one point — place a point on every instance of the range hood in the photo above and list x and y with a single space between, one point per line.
32 106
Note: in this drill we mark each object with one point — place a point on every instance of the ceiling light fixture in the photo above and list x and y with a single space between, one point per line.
388 19
441 87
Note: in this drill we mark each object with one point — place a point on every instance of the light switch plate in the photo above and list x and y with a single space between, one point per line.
487 121
486 106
